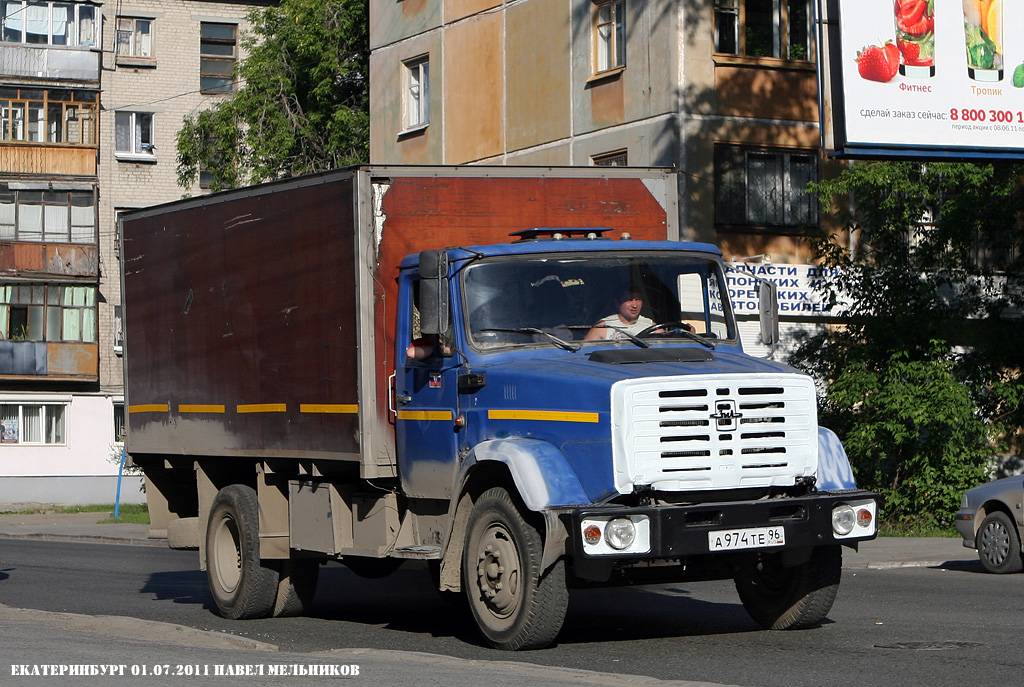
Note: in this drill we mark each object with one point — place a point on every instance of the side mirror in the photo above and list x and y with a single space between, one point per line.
768 313
435 313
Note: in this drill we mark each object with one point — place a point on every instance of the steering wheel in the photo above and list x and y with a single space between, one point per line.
674 326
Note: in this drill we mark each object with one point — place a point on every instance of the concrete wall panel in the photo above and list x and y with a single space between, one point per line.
394 20
537 69
388 144
474 89
460 9
548 156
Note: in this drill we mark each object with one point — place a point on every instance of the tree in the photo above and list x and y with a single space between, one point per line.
302 105
923 379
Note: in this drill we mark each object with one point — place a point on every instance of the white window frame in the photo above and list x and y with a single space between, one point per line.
138 148
416 101
131 27
12 428
85 30
609 32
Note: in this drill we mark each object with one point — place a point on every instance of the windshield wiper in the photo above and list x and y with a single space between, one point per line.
561 343
632 337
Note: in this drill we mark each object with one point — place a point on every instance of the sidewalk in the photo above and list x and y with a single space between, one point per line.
73 527
879 554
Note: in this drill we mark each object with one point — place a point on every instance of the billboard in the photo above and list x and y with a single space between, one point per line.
925 79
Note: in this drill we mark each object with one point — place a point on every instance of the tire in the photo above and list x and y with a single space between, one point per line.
999 544
791 598
296 586
242 587
515 606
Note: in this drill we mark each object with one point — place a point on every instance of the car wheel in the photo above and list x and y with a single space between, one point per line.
999 544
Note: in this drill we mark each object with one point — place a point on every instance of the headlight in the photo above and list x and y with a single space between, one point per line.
843 520
620 533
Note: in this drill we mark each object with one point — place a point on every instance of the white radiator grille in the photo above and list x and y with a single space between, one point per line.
713 431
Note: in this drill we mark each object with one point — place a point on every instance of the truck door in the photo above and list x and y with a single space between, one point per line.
426 403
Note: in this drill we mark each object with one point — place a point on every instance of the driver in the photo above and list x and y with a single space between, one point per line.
626 318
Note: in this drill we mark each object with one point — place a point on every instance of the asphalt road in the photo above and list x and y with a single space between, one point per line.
909 627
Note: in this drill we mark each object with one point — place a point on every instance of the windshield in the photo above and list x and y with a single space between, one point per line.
579 299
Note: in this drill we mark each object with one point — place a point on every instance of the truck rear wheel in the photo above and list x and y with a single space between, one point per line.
515 605
242 587
296 586
791 598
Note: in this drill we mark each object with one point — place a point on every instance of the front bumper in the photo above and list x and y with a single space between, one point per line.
680 531
964 521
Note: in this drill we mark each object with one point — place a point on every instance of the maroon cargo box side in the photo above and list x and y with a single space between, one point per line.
240 325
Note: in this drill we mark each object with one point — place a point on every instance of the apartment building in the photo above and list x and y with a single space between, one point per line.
91 97
724 90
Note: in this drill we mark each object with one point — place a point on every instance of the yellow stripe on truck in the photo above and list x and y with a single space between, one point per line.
197 408
263 408
543 415
149 408
425 415
347 408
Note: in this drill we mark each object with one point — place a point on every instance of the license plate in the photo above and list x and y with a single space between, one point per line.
749 538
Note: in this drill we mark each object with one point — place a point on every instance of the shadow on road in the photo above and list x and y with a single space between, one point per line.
179 586
406 602
973 566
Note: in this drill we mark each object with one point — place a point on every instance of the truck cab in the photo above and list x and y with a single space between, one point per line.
603 386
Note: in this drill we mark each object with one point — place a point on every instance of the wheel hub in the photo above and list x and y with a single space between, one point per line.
995 542
498 571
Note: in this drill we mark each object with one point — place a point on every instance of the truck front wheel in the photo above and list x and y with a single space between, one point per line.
242 587
515 604
791 598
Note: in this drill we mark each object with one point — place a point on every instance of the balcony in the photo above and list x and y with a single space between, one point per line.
40 62
41 260
30 360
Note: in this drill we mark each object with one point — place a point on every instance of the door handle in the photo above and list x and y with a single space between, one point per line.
404 399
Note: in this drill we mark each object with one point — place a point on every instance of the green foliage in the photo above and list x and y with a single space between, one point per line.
924 378
302 104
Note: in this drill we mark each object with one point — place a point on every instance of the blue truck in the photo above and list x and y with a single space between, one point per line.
518 377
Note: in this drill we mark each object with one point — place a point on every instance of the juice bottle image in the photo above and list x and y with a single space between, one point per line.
915 37
983 33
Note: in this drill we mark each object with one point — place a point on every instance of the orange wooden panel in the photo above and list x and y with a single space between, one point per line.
749 91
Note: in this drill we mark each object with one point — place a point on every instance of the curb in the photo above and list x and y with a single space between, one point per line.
86 539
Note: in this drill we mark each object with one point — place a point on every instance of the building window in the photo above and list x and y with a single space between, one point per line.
609 35
133 135
417 93
48 312
120 429
618 158
134 37
48 116
764 28
41 424
217 54
118 329
49 23
758 187
47 216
